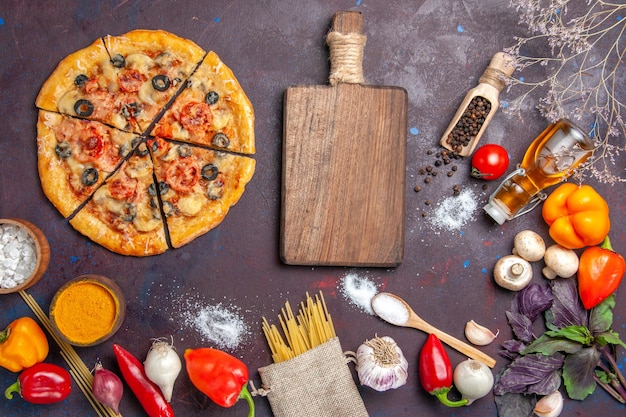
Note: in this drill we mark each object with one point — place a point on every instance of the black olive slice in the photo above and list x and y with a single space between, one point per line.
89 176
83 107
142 149
153 202
118 61
221 140
211 97
80 80
161 82
209 172
63 150
184 151
130 212
152 189
131 110
163 187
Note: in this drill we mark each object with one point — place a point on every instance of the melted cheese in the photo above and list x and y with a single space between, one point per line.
67 101
190 205
140 62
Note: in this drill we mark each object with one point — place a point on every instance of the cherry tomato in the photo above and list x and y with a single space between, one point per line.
490 162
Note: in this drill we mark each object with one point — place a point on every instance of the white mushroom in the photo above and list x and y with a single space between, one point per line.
529 245
512 272
560 262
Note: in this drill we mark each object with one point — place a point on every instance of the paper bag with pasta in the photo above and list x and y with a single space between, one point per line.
310 376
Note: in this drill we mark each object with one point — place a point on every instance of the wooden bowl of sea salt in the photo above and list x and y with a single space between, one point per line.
24 255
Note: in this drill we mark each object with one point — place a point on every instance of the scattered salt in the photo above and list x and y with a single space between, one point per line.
17 255
452 213
359 291
217 324
390 309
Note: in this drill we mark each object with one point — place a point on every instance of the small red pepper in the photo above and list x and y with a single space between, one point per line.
435 371
146 391
220 376
600 271
42 383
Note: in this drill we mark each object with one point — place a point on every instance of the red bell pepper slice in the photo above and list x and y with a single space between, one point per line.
435 371
42 383
220 376
146 391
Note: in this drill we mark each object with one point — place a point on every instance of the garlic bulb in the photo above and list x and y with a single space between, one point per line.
550 405
381 365
479 335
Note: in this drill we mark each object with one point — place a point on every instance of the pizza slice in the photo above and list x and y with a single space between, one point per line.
122 216
213 110
197 186
84 84
151 67
75 156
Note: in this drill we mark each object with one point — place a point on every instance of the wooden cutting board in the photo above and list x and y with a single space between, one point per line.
344 159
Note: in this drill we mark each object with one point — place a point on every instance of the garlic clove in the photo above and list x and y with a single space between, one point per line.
479 335
550 405
381 365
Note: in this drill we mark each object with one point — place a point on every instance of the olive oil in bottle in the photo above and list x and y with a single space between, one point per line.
551 158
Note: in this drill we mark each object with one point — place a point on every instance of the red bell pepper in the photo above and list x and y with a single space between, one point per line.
42 383
220 376
435 371
147 392
600 271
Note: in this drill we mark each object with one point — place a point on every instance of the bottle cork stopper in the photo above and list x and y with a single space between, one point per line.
503 62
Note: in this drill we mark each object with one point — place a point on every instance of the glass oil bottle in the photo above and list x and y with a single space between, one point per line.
551 158
478 107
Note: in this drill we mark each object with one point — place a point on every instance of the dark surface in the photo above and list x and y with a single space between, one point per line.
436 50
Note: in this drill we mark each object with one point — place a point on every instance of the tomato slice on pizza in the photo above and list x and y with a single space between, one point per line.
75 156
213 110
121 215
197 186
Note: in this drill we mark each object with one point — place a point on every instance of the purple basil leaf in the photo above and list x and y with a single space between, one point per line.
534 300
521 325
567 309
526 372
511 349
578 372
515 405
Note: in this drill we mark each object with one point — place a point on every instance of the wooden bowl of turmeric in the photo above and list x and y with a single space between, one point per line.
87 310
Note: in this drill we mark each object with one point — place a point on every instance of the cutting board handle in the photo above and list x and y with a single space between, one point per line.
346 42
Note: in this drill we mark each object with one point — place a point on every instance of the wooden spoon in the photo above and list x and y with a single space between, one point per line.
395 310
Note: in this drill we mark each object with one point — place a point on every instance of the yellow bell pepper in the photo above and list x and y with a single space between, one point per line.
577 215
22 344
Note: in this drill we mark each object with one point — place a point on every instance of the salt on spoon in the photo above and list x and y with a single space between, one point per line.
396 311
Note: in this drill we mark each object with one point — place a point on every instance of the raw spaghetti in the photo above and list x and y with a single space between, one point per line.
312 327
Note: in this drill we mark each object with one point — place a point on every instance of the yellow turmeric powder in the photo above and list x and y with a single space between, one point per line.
86 311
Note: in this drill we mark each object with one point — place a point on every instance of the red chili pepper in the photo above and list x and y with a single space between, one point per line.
42 383
220 376
146 391
600 272
435 371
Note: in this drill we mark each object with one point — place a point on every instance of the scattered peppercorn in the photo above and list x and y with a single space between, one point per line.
417 188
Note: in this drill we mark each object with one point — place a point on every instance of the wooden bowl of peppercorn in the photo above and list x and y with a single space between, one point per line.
24 255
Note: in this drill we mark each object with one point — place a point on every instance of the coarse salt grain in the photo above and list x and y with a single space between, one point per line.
18 256
452 213
390 309
359 291
216 324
